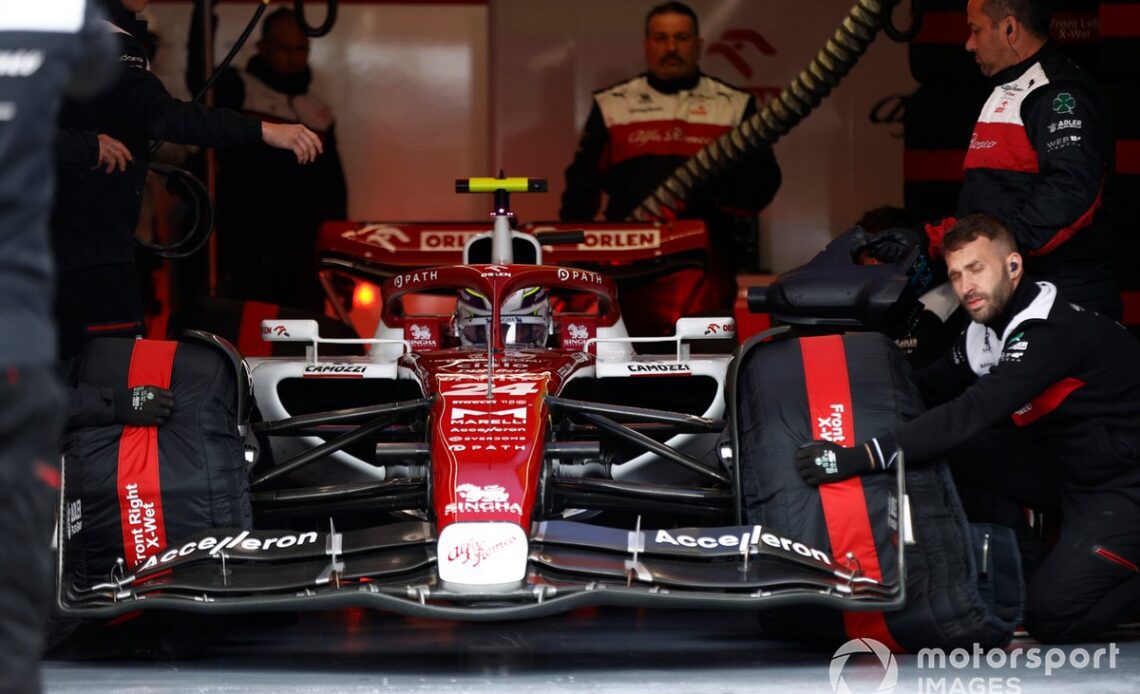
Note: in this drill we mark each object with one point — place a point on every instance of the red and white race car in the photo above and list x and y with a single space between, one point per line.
519 455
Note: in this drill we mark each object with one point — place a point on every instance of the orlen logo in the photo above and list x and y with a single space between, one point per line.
719 329
620 240
444 240
491 498
732 45
888 678
277 330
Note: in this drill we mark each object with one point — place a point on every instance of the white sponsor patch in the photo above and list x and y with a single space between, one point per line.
482 554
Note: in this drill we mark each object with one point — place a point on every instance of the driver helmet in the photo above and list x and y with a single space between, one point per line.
525 318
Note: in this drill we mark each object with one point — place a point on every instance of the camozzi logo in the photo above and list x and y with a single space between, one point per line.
880 675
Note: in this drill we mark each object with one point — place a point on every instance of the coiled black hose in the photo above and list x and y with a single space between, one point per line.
841 52
324 28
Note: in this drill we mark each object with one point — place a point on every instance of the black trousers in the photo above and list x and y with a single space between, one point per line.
31 414
101 301
1089 580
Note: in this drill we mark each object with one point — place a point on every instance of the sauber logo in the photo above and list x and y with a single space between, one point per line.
491 498
664 537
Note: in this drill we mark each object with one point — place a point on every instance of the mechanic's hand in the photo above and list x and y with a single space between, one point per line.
823 462
293 136
892 245
143 406
112 154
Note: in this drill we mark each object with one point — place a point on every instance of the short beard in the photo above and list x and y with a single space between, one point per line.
998 301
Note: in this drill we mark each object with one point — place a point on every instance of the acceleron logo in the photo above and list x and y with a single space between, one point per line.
880 675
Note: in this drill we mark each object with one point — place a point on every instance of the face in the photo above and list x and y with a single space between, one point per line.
285 48
672 47
981 277
135 6
990 44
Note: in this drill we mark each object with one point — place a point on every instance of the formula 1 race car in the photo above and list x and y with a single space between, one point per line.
514 457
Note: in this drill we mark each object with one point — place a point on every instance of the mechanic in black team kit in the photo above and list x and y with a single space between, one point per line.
46 47
1038 405
641 130
1039 156
102 165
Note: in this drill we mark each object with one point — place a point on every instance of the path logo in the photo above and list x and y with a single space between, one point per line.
878 677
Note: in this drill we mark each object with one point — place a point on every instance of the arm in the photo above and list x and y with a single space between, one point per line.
586 174
750 185
1008 387
947 377
1072 152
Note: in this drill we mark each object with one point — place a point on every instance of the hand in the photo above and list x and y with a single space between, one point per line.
112 154
293 136
892 245
823 462
143 406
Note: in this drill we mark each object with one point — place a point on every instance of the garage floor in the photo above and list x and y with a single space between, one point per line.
612 650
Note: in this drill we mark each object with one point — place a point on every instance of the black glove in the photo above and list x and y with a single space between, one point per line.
892 245
143 406
823 462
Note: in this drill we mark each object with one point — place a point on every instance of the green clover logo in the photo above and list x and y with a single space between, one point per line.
1064 103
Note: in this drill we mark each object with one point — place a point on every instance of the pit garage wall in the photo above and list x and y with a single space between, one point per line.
406 81
428 91
548 56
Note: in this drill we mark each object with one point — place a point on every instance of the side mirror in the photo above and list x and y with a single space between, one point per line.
710 328
290 331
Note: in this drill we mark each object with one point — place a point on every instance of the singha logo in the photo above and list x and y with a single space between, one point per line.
578 332
421 332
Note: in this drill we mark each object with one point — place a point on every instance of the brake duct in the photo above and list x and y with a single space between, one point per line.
841 52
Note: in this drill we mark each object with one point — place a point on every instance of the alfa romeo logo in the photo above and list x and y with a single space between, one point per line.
1064 103
873 682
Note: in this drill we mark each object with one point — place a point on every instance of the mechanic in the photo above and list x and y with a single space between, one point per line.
640 130
1067 381
46 47
102 164
1039 156
270 207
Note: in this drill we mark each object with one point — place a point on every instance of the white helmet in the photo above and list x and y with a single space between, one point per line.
525 318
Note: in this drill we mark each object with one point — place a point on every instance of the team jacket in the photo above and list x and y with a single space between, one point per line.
641 130
1038 160
47 50
96 213
1067 374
